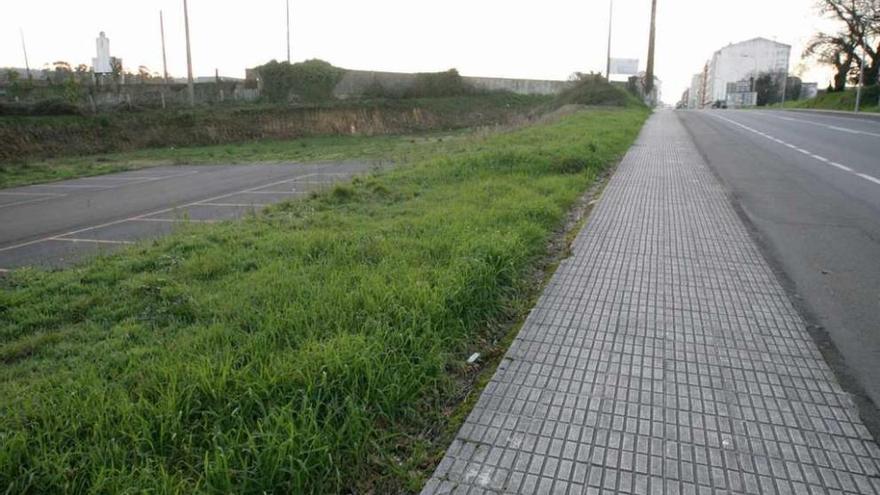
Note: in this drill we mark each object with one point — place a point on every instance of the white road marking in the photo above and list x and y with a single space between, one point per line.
869 177
32 200
157 212
72 186
827 126
98 241
812 155
245 205
171 220
22 193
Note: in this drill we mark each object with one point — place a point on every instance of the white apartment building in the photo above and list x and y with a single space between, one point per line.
743 60
695 95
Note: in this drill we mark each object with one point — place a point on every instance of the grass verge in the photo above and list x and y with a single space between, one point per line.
842 100
310 349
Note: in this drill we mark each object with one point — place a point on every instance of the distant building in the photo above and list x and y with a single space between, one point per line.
102 64
809 91
744 61
695 92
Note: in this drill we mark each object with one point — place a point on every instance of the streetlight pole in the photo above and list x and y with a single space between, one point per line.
27 64
649 70
288 31
190 89
164 60
608 58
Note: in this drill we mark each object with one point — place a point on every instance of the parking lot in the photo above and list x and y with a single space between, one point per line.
60 223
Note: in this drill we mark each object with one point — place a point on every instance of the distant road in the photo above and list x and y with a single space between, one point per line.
810 184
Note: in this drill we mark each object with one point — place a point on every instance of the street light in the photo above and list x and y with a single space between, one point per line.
608 58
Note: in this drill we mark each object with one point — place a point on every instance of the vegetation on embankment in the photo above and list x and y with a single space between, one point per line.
841 100
27 138
309 349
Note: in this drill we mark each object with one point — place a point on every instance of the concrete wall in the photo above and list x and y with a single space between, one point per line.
356 82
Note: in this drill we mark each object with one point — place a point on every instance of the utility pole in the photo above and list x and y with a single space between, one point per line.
608 58
649 71
288 31
27 64
164 60
190 89
862 65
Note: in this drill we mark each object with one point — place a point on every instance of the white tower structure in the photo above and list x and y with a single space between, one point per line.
101 63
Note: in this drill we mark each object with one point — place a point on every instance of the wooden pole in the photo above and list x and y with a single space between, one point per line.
164 60
190 89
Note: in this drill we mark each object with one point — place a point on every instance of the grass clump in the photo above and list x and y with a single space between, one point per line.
300 351
595 90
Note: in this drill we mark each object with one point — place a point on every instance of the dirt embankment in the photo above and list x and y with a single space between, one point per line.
24 138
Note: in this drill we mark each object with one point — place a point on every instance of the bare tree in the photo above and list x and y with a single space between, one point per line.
857 37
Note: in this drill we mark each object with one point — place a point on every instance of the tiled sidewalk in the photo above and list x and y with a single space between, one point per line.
663 357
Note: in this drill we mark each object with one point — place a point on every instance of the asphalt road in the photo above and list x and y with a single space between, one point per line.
810 186
63 222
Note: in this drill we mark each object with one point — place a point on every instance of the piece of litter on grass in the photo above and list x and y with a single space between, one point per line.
473 358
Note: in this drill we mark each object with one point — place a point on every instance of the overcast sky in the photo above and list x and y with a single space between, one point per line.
511 38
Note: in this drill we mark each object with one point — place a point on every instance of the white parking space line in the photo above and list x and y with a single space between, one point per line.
32 200
97 241
157 212
239 205
171 220
819 158
73 186
827 126
292 193
23 193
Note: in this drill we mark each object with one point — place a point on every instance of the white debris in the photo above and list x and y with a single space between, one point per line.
473 358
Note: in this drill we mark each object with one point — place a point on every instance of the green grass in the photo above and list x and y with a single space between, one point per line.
843 100
311 349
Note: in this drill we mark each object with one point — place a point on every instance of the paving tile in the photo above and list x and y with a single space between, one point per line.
663 357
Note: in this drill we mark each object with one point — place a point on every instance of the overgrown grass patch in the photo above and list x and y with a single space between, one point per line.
294 352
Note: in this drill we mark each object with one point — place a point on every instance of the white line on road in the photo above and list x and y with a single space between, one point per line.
812 155
153 213
77 239
171 220
240 205
869 177
26 201
22 193
827 126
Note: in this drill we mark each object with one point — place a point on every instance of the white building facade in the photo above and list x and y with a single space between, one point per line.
741 61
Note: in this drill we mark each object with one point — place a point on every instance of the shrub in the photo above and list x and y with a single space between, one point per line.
310 81
439 84
593 89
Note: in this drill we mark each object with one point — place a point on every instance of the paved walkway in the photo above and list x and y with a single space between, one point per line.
663 357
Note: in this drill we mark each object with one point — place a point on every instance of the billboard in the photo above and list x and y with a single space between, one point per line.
625 66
